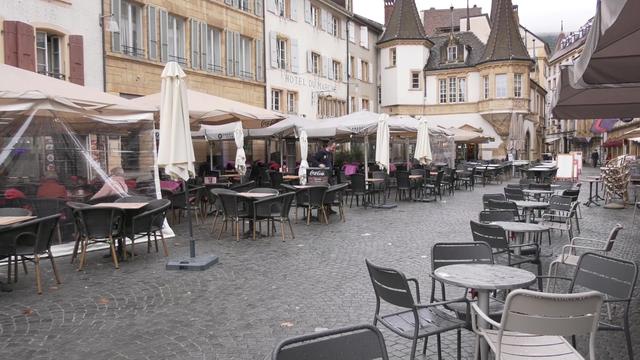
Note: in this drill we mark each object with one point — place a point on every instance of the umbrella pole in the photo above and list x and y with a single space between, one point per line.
192 241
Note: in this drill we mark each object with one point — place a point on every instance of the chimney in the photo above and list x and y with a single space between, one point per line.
516 15
388 9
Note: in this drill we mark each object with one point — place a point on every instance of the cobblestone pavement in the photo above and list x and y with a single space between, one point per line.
260 292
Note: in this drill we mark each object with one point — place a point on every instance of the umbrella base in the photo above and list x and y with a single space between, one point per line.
199 263
425 199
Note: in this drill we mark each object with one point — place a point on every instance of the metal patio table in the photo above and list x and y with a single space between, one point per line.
485 278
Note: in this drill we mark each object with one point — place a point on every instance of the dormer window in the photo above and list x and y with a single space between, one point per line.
452 53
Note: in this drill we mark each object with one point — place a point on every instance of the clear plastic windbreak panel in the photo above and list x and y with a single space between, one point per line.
47 160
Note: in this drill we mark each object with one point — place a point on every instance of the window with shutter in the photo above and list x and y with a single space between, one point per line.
323 19
131 29
452 53
49 54
462 90
76 59
271 6
325 66
152 32
176 39
214 50
364 37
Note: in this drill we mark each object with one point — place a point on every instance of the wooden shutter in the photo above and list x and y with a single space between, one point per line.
295 61
194 28
325 65
323 19
258 8
76 59
259 60
236 54
273 49
307 11
309 62
152 31
164 45
204 35
115 36
26 46
293 9
11 43
228 36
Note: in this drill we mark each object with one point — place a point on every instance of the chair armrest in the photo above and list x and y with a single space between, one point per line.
584 239
475 311
417 285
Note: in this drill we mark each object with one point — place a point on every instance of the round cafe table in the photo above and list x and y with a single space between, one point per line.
529 206
484 278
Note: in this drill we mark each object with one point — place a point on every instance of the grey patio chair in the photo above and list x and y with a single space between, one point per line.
570 254
335 197
513 194
615 279
34 242
534 325
149 221
444 254
487 197
415 320
216 205
99 225
232 212
489 216
506 206
275 208
560 214
311 198
496 237
361 342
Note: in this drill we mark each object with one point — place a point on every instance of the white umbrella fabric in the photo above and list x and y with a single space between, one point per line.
423 144
175 151
382 143
304 152
241 157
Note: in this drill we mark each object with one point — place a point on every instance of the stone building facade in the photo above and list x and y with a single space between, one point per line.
219 44
562 136
58 38
462 79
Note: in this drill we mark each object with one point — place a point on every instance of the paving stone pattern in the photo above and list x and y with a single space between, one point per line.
261 291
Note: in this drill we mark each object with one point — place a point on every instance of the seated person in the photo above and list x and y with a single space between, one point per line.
51 188
114 185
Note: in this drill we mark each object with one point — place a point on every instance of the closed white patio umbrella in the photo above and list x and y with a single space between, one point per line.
241 157
176 150
423 144
304 152
382 142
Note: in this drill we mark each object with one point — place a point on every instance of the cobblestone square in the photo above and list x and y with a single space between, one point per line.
261 291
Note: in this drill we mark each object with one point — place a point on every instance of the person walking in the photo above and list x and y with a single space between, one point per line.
594 158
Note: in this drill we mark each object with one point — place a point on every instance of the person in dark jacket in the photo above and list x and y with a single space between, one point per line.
324 157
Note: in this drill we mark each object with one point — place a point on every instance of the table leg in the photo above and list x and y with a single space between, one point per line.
483 304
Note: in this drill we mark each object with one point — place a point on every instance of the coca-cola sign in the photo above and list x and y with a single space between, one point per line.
318 176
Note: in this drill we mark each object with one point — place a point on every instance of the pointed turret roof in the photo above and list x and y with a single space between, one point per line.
404 23
504 41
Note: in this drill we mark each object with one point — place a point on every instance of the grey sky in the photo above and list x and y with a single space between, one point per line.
536 15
